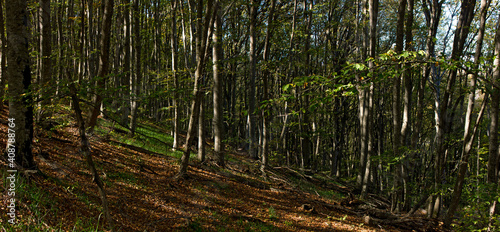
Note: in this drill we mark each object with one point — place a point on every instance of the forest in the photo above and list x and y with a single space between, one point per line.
254 115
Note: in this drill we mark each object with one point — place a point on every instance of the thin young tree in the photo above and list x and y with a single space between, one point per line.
203 23
136 80
176 100
217 89
45 51
103 68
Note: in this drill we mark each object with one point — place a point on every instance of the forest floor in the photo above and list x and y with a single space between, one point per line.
143 195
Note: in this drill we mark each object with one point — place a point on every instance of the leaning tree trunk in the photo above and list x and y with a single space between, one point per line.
442 105
202 24
469 135
85 150
19 79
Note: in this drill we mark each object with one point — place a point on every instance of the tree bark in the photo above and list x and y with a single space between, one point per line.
217 90
135 82
85 150
397 195
493 165
102 71
45 51
266 74
202 24
252 124
176 100
443 104
19 79
127 74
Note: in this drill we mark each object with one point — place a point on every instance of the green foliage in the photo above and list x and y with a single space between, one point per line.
272 213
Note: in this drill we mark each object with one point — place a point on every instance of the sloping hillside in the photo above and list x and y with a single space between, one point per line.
138 174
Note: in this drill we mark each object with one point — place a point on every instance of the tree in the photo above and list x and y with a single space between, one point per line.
202 24
137 79
493 165
252 122
265 108
103 68
19 79
217 89
469 135
176 100
45 51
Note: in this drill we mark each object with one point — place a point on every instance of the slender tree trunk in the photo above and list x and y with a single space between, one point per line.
201 132
135 83
126 78
493 137
173 43
372 45
469 137
493 165
432 14
217 90
19 79
85 149
202 25
443 104
252 124
265 109
363 96
102 71
397 195
45 51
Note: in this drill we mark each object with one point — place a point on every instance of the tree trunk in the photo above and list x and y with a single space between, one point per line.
19 80
45 51
493 142
265 109
443 104
217 90
135 82
469 137
202 23
176 100
102 71
85 150
252 124
127 74
201 132
397 195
